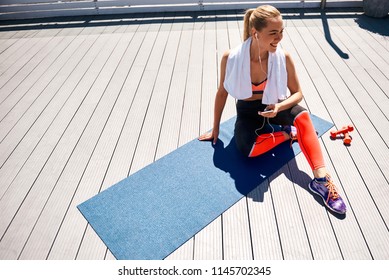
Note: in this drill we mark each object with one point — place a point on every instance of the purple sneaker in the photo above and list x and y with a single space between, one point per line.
328 192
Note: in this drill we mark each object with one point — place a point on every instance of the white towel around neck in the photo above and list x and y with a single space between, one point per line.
237 81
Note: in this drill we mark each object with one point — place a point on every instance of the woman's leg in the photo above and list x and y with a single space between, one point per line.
252 144
322 183
251 140
308 141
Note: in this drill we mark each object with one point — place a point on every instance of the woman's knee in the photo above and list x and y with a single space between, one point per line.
243 145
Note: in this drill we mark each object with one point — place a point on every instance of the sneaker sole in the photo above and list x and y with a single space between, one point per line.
315 192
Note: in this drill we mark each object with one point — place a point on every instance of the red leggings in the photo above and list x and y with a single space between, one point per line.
298 116
306 136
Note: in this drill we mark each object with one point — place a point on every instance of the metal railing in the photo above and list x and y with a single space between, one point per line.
24 9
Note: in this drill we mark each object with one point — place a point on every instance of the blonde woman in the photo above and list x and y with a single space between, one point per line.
262 77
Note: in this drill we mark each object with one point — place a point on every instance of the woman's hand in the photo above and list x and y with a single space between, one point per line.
270 111
212 135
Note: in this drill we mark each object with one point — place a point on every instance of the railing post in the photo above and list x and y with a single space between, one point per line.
323 4
201 5
96 7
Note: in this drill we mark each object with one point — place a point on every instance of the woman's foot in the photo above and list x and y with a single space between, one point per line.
328 192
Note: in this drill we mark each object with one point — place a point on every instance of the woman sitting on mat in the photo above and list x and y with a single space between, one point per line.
258 73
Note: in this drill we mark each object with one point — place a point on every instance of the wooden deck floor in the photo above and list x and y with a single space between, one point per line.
84 102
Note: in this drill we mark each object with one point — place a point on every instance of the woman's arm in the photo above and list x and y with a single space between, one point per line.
220 102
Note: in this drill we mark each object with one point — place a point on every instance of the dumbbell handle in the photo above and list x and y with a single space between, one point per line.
344 130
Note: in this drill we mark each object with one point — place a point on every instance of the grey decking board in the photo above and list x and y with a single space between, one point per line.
355 185
355 237
15 63
189 29
348 100
264 229
18 133
17 191
19 42
169 134
208 242
237 240
291 228
310 85
310 209
36 116
367 167
67 161
369 62
125 148
26 92
69 235
236 232
74 169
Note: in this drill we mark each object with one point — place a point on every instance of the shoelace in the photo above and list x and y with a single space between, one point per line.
332 190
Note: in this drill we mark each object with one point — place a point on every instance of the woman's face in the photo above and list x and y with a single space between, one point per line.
271 35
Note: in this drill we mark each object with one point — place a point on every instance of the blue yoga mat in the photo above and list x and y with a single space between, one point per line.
157 209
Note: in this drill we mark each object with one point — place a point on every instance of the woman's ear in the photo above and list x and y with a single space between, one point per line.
254 33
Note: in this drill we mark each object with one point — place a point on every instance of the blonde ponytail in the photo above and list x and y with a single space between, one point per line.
257 18
246 24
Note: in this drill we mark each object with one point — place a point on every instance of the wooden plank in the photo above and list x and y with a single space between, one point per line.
318 224
169 138
235 34
375 28
264 230
354 186
236 228
358 170
365 72
208 242
14 63
70 233
91 116
20 86
236 232
361 158
291 228
349 227
209 79
169 134
6 41
17 146
130 124
223 44
367 56
350 26
189 124
18 41
190 128
52 167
